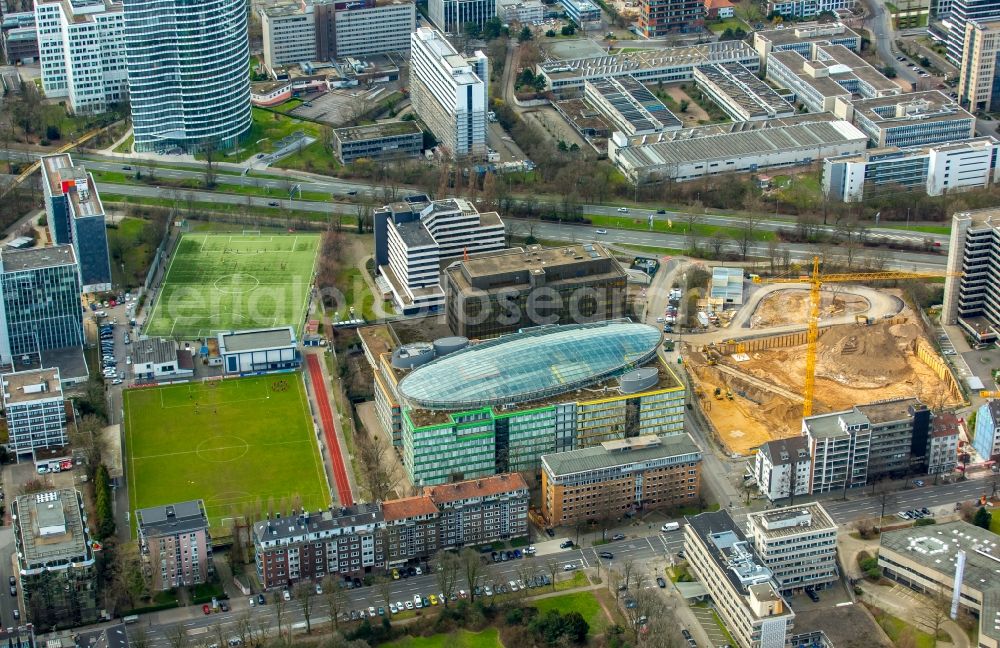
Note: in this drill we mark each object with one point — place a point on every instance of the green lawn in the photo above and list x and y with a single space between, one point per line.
578 580
583 602
315 158
726 23
926 229
896 628
488 638
267 129
131 250
678 226
221 282
239 444
356 293
126 146
209 207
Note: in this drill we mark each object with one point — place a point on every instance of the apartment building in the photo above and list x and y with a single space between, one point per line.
501 292
41 302
804 9
187 73
742 587
412 237
781 468
450 92
383 140
912 119
979 78
35 409
289 32
82 54
963 12
935 169
411 529
618 478
55 563
451 16
986 436
942 444
661 17
76 217
481 511
175 545
851 448
798 544
582 12
972 300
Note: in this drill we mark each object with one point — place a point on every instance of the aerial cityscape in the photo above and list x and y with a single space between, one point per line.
500 323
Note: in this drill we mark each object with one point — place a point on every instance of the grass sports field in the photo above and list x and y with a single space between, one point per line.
223 282
240 443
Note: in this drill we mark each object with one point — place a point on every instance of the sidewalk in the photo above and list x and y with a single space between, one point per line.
909 605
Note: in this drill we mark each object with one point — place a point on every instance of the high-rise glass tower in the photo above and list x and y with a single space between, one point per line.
188 73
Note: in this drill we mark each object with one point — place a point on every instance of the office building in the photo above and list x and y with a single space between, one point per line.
373 27
582 12
912 119
942 444
19 38
979 80
801 37
499 405
827 73
451 16
961 13
175 544
481 511
81 49
925 559
852 448
55 561
798 544
75 216
501 292
619 478
739 92
972 300
289 32
782 467
986 439
257 351
36 410
667 65
413 237
449 92
380 141
741 586
629 106
733 148
803 9
41 302
662 17
524 12
934 169
187 73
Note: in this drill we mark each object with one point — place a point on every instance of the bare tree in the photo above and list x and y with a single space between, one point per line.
86 436
177 636
448 567
303 594
745 237
138 638
886 498
553 569
628 572
210 148
933 614
383 585
279 609
381 471
335 599
473 568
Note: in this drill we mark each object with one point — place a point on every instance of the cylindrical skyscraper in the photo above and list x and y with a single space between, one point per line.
188 73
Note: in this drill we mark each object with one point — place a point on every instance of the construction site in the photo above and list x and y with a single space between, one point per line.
750 385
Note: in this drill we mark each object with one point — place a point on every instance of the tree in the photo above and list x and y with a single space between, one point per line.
335 599
472 30
447 572
472 567
717 241
383 585
210 148
886 498
177 636
86 437
983 518
525 35
381 474
303 594
493 28
279 608
685 104
553 569
746 235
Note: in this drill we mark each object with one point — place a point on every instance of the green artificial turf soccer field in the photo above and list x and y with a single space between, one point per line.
225 282
240 443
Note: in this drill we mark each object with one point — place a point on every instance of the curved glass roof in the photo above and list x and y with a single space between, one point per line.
530 365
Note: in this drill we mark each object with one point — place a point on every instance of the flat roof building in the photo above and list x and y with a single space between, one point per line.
807 8
978 85
798 544
742 587
658 18
175 544
373 27
961 13
525 12
383 140
726 287
616 478
629 106
934 169
259 350
739 92
582 12
734 148
35 409
668 64
451 16
289 33
501 292
912 119
972 300
801 36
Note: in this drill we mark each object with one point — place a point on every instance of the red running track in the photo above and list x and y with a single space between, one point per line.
330 432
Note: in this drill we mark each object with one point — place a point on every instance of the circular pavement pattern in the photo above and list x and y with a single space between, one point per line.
222 449
236 283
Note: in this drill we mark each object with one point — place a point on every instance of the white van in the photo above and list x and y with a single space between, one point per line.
670 526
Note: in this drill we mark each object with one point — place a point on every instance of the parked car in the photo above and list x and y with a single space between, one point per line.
918 482
659 581
285 594
206 609
569 567
601 231
607 555
904 515
813 596
926 511
623 210
618 536
566 544
530 550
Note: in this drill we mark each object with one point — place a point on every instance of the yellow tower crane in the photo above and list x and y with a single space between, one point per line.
816 281
989 394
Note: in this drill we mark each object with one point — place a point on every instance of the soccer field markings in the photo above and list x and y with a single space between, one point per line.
197 452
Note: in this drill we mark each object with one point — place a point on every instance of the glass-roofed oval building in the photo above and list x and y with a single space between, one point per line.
498 405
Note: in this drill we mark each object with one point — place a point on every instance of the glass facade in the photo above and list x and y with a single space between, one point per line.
188 63
42 307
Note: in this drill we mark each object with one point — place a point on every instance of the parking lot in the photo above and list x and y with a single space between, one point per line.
706 617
